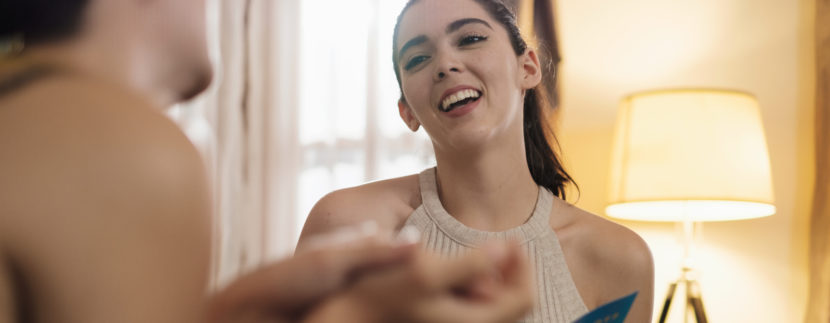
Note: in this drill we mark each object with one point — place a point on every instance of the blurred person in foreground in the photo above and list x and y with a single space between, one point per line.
104 205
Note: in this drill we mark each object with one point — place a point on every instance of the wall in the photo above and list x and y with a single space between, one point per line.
750 271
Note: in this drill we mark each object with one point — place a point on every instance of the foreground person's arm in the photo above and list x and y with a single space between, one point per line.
287 290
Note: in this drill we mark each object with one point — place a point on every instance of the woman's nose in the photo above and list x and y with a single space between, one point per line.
447 64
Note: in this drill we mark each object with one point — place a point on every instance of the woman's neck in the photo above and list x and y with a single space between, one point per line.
491 190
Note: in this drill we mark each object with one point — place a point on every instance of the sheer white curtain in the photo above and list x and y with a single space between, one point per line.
304 102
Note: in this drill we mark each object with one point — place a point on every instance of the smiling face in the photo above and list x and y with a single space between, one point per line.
461 78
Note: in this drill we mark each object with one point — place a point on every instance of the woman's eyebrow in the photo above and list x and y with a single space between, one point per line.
412 42
456 25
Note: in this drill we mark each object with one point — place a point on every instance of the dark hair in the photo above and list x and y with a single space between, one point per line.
540 140
40 21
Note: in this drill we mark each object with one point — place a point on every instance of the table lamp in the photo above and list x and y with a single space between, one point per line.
688 156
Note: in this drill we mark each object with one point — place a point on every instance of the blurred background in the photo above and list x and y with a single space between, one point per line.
305 103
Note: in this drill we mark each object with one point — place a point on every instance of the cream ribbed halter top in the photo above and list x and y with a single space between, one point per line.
557 296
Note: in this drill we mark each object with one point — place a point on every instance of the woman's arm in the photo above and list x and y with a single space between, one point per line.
624 265
638 274
385 203
607 261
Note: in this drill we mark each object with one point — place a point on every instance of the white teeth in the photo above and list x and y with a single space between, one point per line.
458 96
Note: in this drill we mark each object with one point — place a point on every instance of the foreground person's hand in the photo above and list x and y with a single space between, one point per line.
491 285
286 290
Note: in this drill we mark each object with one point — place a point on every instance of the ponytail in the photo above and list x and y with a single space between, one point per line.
541 145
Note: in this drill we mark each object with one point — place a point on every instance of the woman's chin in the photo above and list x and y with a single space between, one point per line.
476 132
470 138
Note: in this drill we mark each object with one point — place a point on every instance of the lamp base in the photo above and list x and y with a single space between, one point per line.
694 301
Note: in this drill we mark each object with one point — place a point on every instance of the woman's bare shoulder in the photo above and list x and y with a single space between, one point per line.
610 259
595 233
386 202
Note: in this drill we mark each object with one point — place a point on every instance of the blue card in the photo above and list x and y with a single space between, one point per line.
613 312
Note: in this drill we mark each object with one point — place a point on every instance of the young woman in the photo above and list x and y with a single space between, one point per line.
469 79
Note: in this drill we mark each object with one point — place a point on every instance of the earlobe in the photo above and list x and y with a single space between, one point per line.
531 69
406 115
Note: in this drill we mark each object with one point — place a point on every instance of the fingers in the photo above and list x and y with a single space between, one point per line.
294 284
318 273
436 274
426 288
516 293
351 251
334 267
517 272
509 289
347 236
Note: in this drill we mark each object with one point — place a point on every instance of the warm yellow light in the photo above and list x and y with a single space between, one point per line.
699 155
702 210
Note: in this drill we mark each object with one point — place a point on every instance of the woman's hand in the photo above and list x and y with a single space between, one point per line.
491 285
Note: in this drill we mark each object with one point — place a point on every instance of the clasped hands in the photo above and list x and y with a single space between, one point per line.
360 275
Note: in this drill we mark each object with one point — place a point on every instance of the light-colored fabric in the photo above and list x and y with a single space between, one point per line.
558 299
253 133
819 303
246 129
297 109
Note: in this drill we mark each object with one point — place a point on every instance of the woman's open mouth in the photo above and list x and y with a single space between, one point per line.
459 99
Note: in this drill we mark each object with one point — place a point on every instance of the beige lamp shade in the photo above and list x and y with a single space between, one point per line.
695 155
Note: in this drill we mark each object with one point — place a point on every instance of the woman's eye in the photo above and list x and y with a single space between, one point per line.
415 61
471 40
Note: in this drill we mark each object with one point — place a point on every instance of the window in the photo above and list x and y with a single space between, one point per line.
350 131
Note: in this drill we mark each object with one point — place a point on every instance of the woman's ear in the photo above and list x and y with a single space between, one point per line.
531 70
406 115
